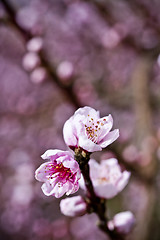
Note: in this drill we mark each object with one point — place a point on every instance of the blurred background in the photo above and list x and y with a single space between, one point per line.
59 55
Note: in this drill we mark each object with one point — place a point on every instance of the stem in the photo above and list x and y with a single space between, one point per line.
95 203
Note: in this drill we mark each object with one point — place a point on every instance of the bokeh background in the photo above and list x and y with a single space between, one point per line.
56 56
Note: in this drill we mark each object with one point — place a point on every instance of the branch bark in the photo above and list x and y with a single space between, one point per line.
95 203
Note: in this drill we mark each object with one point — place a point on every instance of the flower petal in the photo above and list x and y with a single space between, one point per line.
88 145
94 168
123 180
73 165
106 191
108 123
88 111
47 189
40 173
109 138
53 154
70 132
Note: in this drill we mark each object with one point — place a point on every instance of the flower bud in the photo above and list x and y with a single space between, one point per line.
35 44
30 61
65 70
38 75
122 222
73 206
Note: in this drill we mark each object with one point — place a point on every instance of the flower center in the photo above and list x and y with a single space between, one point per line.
94 128
60 173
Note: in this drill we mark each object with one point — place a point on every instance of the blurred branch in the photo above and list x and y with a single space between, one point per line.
67 89
11 13
96 203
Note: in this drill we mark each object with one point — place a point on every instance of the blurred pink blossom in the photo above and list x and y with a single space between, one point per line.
38 75
110 38
85 91
87 130
73 206
122 222
131 154
30 61
107 177
60 174
27 17
35 44
65 70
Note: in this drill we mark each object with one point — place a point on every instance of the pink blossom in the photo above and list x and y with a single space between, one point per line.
60 174
65 71
73 206
35 44
30 61
87 130
122 222
107 178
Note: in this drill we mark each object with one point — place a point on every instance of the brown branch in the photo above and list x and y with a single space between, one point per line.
95 203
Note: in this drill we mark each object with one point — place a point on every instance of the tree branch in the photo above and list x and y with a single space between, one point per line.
67 90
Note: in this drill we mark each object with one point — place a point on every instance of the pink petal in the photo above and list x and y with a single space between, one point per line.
60 191
73 206
88 145
106 191
109 138
40 173
51 153
123 180
47 189
69 132
72 164
88 111
94 168
106 127
82 183
110 162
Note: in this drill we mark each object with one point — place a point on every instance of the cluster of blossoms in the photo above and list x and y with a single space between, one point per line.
61 173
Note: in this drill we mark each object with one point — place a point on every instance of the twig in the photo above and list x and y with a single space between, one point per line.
95 203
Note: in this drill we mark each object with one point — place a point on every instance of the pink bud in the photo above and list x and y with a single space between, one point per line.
110 39
65 70
73 206
122 222
38 75
35 44
30 61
